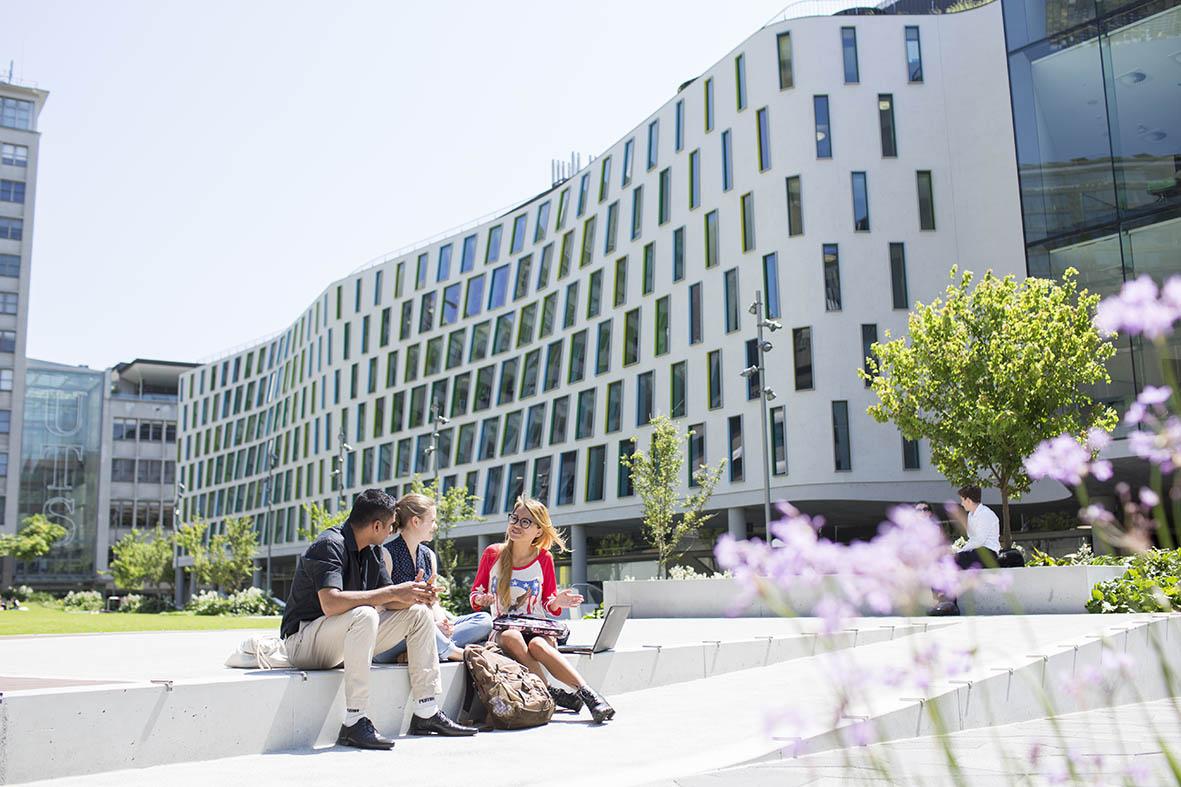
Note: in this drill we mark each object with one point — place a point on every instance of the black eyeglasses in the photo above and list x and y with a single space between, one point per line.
513 519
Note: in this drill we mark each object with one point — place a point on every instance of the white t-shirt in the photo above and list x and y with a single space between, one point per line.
984 530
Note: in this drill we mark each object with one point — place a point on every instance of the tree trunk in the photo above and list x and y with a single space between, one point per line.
1006 531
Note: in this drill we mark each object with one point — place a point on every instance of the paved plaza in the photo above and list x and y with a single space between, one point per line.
684 717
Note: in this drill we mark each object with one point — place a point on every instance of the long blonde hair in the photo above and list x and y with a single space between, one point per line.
548 537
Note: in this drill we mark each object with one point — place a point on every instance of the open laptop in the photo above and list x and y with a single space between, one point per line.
608 633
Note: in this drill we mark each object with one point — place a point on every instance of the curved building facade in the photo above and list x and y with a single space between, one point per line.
838 165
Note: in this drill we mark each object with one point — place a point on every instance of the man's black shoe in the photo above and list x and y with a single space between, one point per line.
438 724
599 708
362 735
944 609
565 699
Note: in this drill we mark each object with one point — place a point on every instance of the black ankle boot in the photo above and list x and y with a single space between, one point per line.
598 707
565 699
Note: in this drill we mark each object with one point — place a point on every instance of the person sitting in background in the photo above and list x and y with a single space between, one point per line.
983 531
406 556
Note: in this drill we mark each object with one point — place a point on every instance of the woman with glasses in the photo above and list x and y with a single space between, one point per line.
518 577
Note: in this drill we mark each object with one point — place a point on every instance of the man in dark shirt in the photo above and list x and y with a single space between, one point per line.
343 606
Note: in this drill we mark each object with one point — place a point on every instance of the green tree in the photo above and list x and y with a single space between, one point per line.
319 520
656 477
36 537
227 561
143 560
990 371
451 508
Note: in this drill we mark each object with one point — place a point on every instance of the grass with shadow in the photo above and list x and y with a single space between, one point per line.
39 619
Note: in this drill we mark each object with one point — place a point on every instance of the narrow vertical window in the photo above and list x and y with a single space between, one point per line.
823 131
679 126
886 123
644 399
603 348
771 285
926 200
678 254
842 459
740 81
737 469
583 193
914 55
910 454
442 271
694 178
624 479
869 337
584 424
696 452
588 242
611 235
492 253
648 275
849 54
563 208
795 206
898 276
783 45
620 282
664 192
711 239
518 240
629 160
567 470
860 203
594 294
596 460
631 337
637 211
763 126
467 260
604 178
662 332
747 209
420 273
730 299
678 388
614 406
542 222
713 367
695 313
801 340
653 143
832 278
778 441
727 162
753 384
709 104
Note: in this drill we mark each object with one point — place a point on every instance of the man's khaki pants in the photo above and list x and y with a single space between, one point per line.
351 638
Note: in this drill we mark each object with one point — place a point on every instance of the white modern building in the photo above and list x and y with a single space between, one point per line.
840 165
20 107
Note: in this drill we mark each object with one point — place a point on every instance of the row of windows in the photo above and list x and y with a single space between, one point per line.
14 155
11 229
144 471
141 514
541 370
144 431
552 482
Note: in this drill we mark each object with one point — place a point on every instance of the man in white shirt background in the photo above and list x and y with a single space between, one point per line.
983 531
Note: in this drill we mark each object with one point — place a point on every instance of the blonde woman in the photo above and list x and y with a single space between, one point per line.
518 577
407 555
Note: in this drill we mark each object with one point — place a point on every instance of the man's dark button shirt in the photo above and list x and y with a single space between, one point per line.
331 561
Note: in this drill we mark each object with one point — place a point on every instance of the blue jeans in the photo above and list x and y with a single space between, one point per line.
468 630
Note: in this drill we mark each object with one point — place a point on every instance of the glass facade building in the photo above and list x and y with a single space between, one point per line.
1096 91
60 468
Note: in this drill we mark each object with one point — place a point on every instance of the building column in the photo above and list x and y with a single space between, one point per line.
482 543
736 522
578 557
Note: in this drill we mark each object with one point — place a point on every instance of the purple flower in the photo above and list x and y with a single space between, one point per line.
1151 397
1161 446
1064 459
1136 310
1148 498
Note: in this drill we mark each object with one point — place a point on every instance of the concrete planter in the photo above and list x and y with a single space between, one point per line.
1042 590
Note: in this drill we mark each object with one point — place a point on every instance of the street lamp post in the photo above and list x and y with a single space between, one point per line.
272 458
178 577
432 451
343 450
765 395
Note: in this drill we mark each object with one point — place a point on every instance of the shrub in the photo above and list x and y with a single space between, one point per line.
251 601
688 572
83 601
134 602
1152 583
21 593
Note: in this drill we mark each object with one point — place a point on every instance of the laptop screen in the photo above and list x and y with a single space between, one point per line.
612 626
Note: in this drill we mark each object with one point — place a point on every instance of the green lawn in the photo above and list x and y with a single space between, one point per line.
47 620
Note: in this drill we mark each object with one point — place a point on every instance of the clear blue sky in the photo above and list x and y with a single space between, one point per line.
208 167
